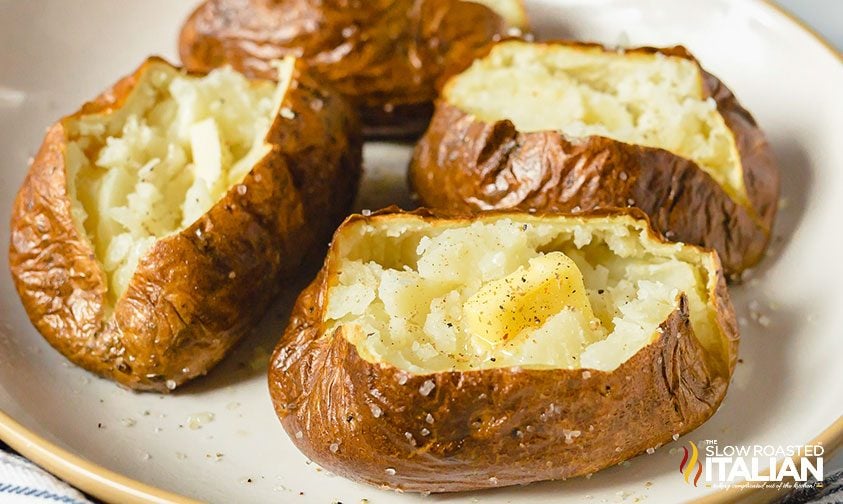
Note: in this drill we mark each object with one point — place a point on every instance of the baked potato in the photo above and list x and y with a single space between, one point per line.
384 55
563 126
441 354
155 224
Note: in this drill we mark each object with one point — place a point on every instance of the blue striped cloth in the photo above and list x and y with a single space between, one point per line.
22 482
831 492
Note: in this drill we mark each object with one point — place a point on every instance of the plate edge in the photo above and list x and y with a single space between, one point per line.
83 474
111 486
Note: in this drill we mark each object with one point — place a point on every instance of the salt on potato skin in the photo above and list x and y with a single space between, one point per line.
716 185
198 286
495 426
386 57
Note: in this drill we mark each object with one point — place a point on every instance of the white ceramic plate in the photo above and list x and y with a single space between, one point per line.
56 54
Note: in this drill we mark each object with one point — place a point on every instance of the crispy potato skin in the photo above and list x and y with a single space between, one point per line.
493 427
385 56
501 167
195 293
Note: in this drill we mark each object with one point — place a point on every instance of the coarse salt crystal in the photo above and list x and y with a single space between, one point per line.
199 419
570 435
427 387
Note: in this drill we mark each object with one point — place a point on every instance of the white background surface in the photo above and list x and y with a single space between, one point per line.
54 57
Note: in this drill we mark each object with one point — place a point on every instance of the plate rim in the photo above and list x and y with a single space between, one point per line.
91 478
111 486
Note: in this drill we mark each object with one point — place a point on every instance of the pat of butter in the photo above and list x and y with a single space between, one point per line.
525 299
207 152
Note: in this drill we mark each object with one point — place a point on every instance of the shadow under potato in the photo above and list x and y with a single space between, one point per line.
797 181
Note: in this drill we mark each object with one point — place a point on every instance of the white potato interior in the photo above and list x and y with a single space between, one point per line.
160 161
402 288
512 11
650 100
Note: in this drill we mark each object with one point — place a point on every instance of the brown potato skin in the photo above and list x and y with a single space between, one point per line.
195 293
501 167
387 64
493 427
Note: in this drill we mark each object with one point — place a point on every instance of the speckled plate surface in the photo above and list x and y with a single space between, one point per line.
129 447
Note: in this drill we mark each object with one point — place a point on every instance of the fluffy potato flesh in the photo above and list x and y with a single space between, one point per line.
645 99
155 164
500 292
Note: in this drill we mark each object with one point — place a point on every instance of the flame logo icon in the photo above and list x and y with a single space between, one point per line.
690 461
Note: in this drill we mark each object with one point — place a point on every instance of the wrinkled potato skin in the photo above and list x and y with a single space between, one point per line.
387 63
195 293
504 168
493 427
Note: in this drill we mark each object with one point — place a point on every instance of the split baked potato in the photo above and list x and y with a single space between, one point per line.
155 223
440 354
563 126
385 56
